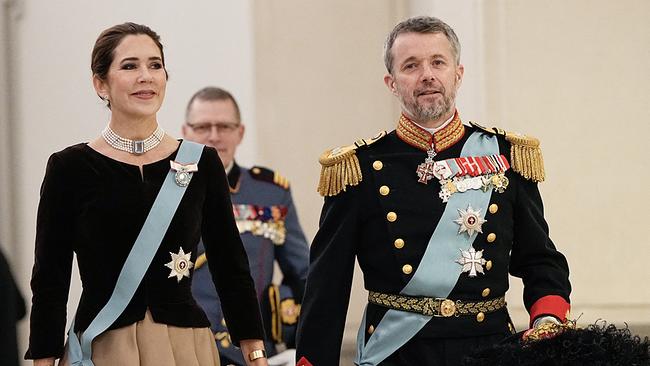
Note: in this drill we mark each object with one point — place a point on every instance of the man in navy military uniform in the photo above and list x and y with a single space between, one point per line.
267 221
437 213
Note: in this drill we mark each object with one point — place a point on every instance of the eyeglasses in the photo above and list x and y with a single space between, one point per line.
222 127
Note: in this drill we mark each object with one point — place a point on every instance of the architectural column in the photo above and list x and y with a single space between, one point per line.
10 11
466 18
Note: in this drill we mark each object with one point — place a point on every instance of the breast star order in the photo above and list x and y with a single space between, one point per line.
470 221
180 265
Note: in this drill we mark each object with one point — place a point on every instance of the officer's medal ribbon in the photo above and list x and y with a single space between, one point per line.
184 172
471 172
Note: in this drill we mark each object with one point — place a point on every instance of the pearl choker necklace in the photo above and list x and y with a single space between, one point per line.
136 147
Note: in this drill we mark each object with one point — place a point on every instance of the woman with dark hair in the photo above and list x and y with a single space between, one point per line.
134 225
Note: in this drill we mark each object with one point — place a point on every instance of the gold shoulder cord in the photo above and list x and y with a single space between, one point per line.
340 167
525 153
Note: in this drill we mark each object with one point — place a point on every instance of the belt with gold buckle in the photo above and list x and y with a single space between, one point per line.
435 306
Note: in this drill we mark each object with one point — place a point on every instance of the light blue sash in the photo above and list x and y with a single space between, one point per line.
438 271
138 261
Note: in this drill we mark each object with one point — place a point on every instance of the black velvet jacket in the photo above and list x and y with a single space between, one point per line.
354 224
94 206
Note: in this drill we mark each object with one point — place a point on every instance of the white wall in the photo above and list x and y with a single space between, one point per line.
206 43
573 73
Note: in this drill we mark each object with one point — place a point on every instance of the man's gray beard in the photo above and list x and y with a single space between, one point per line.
432 112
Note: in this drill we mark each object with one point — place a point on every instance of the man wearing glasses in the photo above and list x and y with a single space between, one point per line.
267 221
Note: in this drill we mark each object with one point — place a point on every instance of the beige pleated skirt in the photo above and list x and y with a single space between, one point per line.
147 343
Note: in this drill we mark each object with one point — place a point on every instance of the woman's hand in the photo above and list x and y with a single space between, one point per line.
249 345
44 361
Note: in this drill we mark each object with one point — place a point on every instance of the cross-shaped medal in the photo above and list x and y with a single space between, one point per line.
472 261
425 170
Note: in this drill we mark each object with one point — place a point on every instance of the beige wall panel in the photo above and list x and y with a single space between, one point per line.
575 74
319 79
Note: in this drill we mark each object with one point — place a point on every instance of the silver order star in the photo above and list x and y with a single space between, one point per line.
470 221
472 261
180 265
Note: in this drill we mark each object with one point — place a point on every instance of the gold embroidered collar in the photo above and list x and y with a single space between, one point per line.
420 138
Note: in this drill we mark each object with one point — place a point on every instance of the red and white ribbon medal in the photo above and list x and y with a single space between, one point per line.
184 172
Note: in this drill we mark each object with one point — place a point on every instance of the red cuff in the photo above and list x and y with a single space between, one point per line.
550 305
303 362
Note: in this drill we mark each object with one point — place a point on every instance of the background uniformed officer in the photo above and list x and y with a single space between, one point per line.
437 213
267 221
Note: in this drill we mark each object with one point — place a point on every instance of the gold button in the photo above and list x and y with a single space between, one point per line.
377 165
384 190
371 329
491 237
485 292
407 269
494 208
488 265
399 243
391 216
480 317
256 170
511 328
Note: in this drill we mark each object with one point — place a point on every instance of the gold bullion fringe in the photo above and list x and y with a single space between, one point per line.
338 171
526 157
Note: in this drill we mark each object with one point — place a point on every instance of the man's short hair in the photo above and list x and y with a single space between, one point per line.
421 24
212 93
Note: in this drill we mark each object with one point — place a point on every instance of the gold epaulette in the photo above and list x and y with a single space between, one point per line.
340 167
525 153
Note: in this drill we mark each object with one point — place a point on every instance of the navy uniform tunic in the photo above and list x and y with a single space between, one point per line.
269 227
385 222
